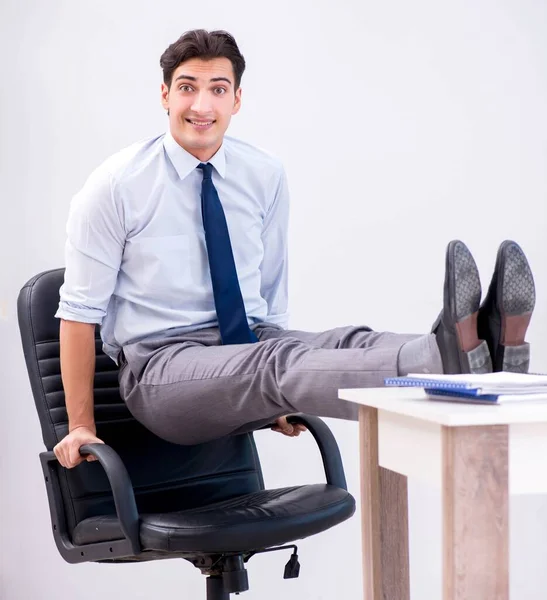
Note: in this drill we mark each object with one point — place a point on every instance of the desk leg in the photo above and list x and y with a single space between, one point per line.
476 512
384 510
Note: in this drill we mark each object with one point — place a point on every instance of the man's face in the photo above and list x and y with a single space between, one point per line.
201 102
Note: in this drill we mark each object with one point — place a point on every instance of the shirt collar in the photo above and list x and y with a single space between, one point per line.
185 163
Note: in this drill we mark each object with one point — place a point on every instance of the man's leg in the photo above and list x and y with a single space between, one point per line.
417 354
190 389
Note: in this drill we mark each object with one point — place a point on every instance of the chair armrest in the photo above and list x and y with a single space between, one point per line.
330 453
122 490
120 483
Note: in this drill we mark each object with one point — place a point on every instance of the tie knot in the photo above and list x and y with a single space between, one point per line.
207 169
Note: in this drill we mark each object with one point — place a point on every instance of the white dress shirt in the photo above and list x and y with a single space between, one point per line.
136 260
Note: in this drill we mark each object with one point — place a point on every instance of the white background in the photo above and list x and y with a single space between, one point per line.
401 124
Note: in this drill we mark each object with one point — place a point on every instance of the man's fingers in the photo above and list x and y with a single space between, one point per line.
74 455
293 433
285 426
60 454
67 450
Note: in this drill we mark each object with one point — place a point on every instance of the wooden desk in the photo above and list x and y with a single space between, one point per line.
477 455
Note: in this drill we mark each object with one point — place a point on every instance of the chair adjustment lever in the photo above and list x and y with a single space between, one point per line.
292 568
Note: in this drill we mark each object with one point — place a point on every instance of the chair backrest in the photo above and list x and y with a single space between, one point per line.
165 476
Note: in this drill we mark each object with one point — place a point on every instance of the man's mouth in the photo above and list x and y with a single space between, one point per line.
201 124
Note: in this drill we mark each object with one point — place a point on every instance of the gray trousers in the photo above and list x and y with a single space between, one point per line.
188 388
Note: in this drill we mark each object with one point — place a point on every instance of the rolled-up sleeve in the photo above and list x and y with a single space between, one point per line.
93 251
274 267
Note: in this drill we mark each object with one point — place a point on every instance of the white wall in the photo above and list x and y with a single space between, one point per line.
402 125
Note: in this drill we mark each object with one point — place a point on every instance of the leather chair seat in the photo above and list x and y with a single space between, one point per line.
258 520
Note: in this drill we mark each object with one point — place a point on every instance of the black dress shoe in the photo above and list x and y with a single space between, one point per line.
505 314
456 327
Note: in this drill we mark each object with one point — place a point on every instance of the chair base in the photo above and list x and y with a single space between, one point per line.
227 574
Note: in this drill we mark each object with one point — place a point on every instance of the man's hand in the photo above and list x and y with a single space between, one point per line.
286 428
67 450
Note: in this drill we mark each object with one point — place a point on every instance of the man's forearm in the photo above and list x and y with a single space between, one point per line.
77 372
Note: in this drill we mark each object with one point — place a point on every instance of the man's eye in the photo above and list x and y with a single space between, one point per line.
185 88
220 91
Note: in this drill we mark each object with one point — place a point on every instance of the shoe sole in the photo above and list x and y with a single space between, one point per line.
518 294
466 284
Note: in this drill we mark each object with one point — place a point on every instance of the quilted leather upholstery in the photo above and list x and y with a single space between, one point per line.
263 519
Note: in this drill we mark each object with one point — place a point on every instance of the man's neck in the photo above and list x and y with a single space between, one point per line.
204 155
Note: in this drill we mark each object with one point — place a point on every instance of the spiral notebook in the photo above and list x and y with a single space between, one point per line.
490 388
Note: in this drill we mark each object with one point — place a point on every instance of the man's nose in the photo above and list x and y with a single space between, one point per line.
202 102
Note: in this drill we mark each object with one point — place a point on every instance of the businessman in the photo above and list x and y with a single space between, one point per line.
177 247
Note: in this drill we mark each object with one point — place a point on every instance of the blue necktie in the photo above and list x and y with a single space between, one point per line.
232 319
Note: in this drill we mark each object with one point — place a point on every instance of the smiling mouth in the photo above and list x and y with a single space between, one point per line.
200 124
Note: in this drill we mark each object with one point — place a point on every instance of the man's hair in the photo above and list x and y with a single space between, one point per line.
206 45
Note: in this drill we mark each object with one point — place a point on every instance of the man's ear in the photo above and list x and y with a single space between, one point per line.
237 102
165 97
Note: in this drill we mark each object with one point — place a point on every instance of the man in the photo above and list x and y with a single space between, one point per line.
192 296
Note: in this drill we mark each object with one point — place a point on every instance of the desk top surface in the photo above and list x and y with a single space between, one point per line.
412 402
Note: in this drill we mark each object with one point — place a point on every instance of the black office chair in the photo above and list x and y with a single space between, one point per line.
147 499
